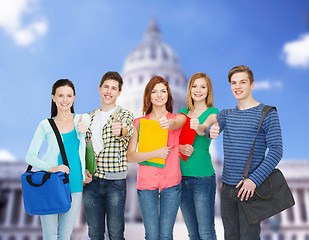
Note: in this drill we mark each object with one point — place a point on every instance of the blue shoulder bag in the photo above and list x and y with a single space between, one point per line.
44 192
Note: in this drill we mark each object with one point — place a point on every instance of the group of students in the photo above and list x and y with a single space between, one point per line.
190 184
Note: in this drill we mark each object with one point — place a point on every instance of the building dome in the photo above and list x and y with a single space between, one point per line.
152 53
150 58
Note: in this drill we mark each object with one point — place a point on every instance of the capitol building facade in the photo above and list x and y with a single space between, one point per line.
153 57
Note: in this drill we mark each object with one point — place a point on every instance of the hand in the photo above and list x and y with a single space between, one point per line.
116 127
246 190
186 150
163 152
81 126
60 168
194 122
165 123
214 130
88 177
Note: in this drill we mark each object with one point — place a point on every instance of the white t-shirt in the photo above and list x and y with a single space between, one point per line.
99 121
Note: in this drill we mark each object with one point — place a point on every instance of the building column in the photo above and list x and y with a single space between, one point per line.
9 208
296 209
284 219
306 201
22 215
36 223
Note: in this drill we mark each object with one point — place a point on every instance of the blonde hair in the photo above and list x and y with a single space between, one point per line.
209 99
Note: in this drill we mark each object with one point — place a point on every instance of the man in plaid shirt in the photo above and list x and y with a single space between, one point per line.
110 130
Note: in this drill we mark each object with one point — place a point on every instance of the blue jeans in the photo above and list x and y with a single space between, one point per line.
105 198
236 226
60 226
198 206
159 211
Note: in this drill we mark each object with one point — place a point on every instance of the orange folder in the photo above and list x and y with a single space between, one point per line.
187 136
152 137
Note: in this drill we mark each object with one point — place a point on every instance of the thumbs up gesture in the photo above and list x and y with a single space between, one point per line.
164 123
214 130
81 126
116 127
194 122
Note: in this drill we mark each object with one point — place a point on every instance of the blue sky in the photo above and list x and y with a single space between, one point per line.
42 41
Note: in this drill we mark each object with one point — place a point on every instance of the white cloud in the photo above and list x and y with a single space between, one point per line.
6 156
267 85
296 53
11 14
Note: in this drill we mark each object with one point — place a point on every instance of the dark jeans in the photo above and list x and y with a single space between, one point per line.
105 198
198 206
236 226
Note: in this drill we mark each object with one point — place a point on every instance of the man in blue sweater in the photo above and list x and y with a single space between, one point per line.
240 126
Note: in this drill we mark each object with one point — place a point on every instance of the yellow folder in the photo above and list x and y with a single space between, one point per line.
152 137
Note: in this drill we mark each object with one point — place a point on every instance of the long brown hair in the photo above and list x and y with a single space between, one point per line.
209 99
147 105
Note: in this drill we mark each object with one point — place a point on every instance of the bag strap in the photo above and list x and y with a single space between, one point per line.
59 140
60 143
265 110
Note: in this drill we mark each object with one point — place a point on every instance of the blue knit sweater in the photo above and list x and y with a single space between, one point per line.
239 130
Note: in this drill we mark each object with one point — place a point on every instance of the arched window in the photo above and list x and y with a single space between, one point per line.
153 54
281 237
164 54
140 79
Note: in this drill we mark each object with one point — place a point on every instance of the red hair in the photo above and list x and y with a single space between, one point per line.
147 105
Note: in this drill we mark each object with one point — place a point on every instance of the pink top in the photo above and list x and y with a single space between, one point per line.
149 177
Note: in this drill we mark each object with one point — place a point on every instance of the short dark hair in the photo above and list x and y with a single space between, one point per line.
112 76
241 68
57 84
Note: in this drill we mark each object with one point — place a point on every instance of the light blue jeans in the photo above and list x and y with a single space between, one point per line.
198 206
60 226
159 211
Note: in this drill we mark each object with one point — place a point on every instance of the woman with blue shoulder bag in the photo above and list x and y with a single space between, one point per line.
72 128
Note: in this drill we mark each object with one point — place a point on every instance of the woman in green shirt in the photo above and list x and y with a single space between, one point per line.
198 175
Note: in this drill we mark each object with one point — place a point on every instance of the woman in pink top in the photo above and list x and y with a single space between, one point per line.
159 189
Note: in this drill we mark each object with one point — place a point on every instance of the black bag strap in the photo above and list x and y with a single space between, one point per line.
59 140
46 176
60 143
265 110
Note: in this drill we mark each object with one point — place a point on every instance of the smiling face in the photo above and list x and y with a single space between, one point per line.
159 95
241 86
109 92
199 90
64 98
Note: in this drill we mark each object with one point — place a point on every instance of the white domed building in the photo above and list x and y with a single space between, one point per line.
152 57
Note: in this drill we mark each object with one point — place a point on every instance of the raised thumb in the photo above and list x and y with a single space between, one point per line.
116 118
80 118
216 122
195 113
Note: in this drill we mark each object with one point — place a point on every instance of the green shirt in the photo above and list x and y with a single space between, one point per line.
199 163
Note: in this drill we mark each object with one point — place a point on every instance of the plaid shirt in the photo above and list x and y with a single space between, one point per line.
113 157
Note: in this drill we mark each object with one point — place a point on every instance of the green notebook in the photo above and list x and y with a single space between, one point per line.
91 164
